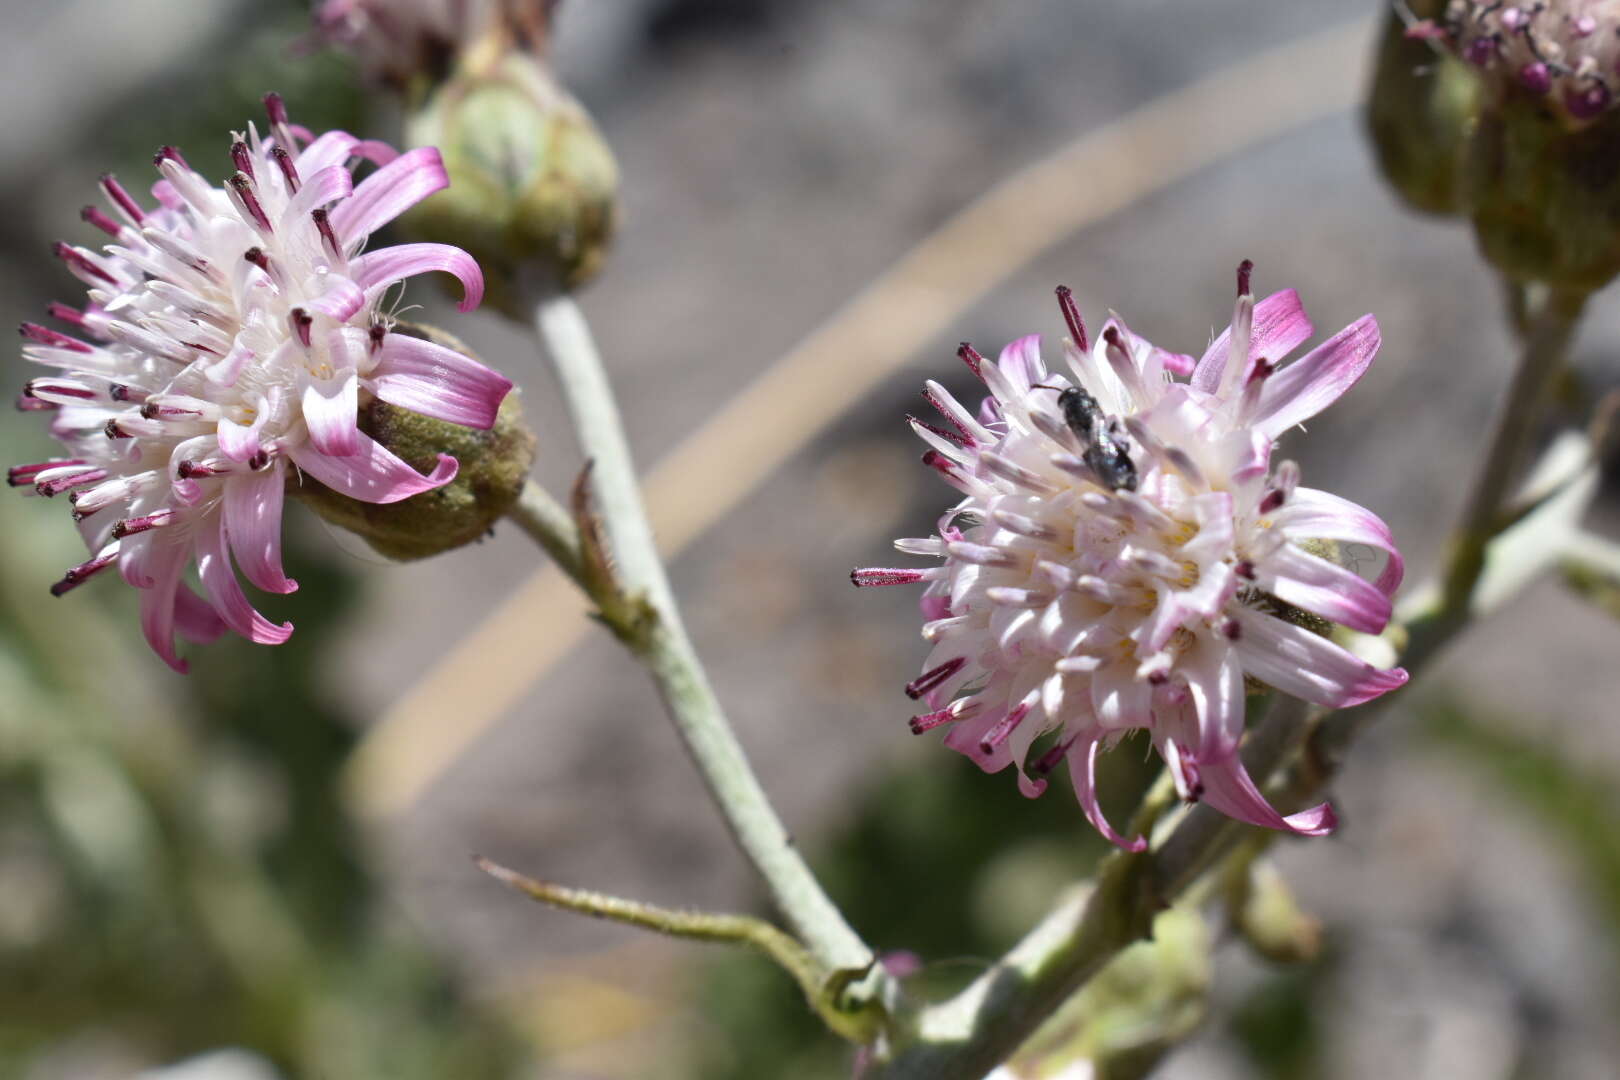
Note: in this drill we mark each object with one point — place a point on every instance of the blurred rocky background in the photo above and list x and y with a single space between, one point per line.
180 869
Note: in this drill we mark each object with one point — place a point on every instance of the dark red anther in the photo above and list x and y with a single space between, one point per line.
1003 729
125 392
193 470
376 334
877 575
1111 337
99 220
169 153
930 721
1071 315
948 436
242 184
242 158
82 573
1049 760
23 475
1262 370
941 464
259 460
1231 629
323 224
44 335
84 393
1272 501
301 322
132 526
64 313
121 198
257 257
114 431
276 110
933 679
81 262
289 171
972 358
1245 570
52 488
1244 273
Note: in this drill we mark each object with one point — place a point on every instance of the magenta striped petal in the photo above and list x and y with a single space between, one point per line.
240 442
1215 679
197 622
341 299
1280 327
1310 384
374 474
376 270
331 410
438 382
1297 577
388 193
1228 787
253 526
159 565
1313 514
225 593
1083 771
1308 666
332 148
327 186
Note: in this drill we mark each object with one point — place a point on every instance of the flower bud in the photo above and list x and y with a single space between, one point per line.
493 466
1530 150
1420 113
533 184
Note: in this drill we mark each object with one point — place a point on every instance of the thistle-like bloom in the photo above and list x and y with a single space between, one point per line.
1563 50
229 335
396 40
1126 556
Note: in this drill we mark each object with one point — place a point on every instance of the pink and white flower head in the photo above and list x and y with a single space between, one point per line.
1126 555
1566 52
395 40
229 335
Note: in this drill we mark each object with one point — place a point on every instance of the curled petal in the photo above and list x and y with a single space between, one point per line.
1308 666
1021 362
1310 514
253 527
324 187
339 300
239 442
376 270
373 473
435 381
332 148
388 193
331 410
1215 680
1316 380
1228 787
197 622
225 594
160 567
1296 577
1083 771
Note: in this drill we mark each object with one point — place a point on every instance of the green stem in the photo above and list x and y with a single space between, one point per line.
1550 319
669 656
547 521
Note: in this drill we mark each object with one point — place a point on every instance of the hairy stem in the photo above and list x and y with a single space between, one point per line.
668 653
1549 321
548 523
